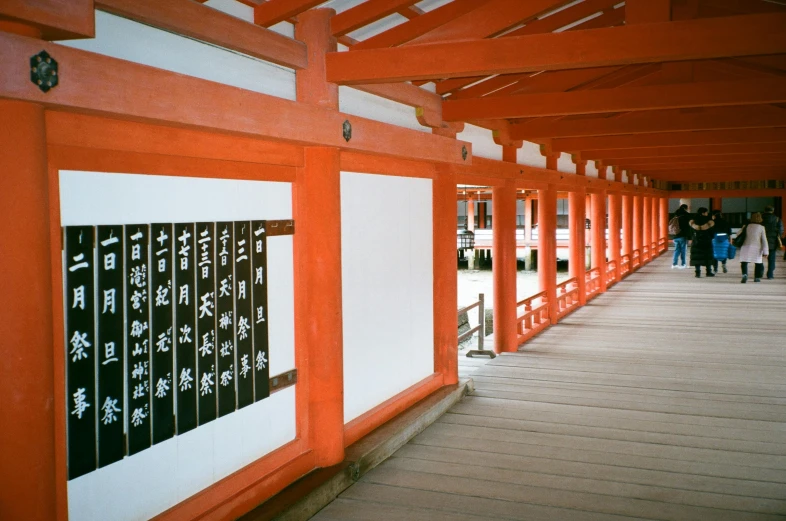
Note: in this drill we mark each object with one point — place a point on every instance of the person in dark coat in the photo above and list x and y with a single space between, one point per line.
701 247
682 238
720 241
773 226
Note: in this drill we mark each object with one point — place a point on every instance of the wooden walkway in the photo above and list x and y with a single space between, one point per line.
663 399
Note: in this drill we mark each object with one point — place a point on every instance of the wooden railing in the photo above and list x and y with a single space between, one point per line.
567 296
624 265
611 273
480 329
635 260
592 283
663 244
535 318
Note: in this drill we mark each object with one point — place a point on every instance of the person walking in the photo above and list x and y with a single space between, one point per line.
774 229
720 242
754 248
681 237
701 247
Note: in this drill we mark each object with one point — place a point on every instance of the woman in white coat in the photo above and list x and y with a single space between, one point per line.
754 248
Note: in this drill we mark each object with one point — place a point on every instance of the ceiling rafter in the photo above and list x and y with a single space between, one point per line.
671 139
363 14
550 24
274 11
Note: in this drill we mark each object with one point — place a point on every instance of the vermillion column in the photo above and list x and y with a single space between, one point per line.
646 210
615 223
27 417
577 247
654 201
638 235
471 227
598 220
445 283
318 254
503 209
664 218
547 247
627 225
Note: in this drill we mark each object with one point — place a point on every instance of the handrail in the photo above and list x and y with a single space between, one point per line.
624 265
592 286
567 296
611 273
480 328
535 317
635 260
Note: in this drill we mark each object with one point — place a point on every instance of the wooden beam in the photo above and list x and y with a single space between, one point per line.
701 176
489 20
636 163
422 24
430 104
364 14
647 11
709 94
274 11
656 152
107 86
549 24
212 26
671 139
710 164
55 20
643 43
652 121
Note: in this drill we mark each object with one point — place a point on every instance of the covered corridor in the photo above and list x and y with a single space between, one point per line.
660 399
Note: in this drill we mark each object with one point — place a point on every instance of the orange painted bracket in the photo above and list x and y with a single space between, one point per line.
55 20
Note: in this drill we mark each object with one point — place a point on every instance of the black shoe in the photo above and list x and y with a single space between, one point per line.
770 277
698 275
757 279
725 270
710 274
744 279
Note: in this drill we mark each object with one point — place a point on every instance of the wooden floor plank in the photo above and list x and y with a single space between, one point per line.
662 399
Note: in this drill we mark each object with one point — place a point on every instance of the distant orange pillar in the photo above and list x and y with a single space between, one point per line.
471 214
318 310
503 210
664 217
615 226
547 247
717 203
599 236
646 222
577 226
627 224
655 218
638 235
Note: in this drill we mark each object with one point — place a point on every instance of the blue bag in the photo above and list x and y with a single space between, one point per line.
732 251
720 247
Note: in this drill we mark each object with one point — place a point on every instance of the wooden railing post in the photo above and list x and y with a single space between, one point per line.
599 236
577 218
547 247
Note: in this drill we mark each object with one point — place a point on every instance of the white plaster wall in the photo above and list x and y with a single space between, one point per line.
482 142
169 472
365 105
387 278
132 41
529 154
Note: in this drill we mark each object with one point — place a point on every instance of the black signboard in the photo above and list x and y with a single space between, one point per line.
80 350
110 343
245 341
162 331
185 327
259 318
206 321
225 313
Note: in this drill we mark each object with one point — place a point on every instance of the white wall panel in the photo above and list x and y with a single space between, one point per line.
387 277
482 142
365 105
127 40
165 474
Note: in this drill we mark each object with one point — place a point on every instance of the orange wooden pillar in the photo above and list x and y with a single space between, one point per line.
655 218
471 214
445 282
547 247
664 219
646 221
443 194
638 235
29 483
503 209
615 225
27 410
716 203
627 225
577 215
318 310
599 236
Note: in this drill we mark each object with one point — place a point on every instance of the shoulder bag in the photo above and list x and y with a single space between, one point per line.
739 240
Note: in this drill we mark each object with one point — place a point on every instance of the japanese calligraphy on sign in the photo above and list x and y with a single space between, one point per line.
165 330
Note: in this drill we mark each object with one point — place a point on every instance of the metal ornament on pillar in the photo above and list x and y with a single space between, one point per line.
346 130
43 71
